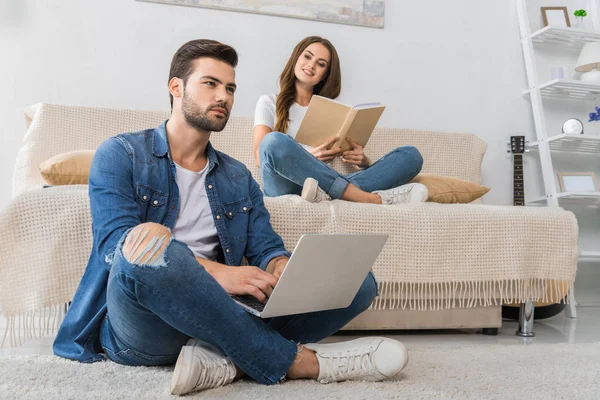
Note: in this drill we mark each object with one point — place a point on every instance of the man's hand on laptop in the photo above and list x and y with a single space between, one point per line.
241 280
277 265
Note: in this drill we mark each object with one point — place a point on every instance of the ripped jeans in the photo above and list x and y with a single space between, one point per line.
159 296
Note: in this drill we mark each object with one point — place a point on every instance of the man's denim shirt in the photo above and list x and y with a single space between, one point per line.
132 180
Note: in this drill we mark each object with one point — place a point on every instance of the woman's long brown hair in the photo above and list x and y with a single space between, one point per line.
330 86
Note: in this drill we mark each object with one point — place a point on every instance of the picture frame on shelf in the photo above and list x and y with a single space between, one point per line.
577 182
557 17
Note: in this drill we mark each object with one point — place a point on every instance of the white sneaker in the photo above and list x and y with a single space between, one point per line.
201 366
312 192
367 359
409 193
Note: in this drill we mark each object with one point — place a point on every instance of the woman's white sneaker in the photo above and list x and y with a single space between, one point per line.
312 192
201 366
409 193
367 359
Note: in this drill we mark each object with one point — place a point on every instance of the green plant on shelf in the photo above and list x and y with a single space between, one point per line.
580 13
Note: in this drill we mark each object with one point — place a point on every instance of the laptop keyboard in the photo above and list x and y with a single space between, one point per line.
249 301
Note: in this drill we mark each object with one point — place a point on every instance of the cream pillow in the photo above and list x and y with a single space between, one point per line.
71 168
445 189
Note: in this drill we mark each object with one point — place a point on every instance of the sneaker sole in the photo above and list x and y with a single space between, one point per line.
181 374
309 190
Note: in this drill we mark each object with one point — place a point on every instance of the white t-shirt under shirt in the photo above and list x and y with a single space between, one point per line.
266 114
194 225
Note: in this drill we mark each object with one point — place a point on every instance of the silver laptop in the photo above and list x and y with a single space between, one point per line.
324 273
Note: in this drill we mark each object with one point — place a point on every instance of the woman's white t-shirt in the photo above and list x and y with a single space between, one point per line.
266 114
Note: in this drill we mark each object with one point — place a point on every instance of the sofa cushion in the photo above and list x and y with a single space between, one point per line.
446 189
71 168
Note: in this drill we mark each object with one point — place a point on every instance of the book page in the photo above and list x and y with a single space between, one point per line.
324 119
367 105
362 126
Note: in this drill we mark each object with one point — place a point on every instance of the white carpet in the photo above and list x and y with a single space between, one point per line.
538 371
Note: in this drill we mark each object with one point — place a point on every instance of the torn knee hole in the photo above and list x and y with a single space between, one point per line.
146 244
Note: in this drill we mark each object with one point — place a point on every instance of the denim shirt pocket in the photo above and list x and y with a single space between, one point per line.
154 198
237 217
241 206
153 203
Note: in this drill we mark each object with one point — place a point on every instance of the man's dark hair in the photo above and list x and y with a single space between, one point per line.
182 64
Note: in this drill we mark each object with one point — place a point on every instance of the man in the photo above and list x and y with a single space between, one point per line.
172 219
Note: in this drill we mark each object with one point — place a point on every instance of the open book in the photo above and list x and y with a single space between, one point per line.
326 118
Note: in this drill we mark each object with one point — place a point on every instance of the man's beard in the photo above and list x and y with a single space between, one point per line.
199 119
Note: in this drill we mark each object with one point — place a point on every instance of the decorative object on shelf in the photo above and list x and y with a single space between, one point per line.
579 18
577 182
560 73
594 116
556 16
588 61
370 13
572 126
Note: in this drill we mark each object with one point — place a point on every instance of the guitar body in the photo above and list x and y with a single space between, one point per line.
542 310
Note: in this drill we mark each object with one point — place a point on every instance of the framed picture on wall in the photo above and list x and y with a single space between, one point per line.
557 17
370 13
577 182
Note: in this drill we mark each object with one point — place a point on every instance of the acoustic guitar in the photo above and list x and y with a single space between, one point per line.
542 310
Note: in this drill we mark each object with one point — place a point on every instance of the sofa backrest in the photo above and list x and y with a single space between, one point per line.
54 129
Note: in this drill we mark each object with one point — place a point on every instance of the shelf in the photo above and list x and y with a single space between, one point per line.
572 198
565 37
572 143
569 89
589 256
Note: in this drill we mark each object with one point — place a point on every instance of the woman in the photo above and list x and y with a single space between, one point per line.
288 167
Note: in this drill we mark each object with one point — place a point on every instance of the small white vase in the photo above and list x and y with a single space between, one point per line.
579 23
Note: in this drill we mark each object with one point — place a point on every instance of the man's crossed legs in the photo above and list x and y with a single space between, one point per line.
159 296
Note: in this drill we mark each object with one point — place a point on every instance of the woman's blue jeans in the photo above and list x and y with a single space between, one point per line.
284 165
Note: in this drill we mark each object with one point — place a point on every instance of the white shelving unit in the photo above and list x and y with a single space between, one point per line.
568 89
572 143
565 37
573 198
568 39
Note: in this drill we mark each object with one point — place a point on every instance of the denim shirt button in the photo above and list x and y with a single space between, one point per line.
155 202
145 197
218 217
210 186
245 208
230 214
227 250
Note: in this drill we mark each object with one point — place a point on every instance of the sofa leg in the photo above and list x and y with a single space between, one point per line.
490 331
526 320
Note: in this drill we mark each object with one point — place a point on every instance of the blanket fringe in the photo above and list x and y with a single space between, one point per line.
32 324
448 295
392 295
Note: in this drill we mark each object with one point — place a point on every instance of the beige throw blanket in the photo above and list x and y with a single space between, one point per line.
438 256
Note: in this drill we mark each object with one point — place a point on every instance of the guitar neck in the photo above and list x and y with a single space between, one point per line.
518 192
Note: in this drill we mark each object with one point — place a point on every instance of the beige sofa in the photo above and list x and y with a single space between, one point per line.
444 266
